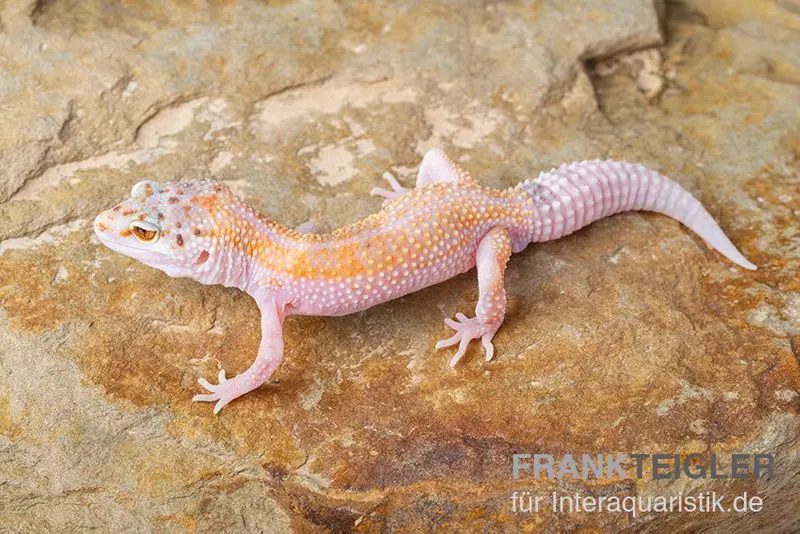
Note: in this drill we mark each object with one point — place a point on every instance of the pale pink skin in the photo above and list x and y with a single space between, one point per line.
220 240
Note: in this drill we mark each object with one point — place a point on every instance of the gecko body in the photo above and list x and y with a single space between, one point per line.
445 226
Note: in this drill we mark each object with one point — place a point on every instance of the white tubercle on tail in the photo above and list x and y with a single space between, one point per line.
574 195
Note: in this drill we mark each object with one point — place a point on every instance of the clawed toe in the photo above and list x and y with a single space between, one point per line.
488 348
449 342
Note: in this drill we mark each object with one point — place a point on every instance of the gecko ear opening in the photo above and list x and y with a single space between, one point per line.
202 258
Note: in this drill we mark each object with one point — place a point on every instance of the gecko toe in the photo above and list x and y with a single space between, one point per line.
396 192
380 192
468 329
220 405
452 324
449 342
223 392
486 340
462 349
205 383
389 177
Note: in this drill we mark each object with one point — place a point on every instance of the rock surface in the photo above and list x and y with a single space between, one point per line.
629 336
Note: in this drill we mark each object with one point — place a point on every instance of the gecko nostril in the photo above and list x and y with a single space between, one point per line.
100 224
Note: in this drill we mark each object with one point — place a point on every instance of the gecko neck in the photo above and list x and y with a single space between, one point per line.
248 246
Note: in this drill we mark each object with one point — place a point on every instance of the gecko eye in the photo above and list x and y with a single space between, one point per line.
145 232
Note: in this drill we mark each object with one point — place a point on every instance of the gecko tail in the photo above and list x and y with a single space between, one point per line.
574 195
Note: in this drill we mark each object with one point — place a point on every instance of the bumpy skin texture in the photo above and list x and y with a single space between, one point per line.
443 227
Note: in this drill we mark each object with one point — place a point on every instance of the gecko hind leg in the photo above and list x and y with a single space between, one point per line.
493 253
435 167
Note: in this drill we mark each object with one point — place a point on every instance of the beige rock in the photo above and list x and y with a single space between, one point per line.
629 336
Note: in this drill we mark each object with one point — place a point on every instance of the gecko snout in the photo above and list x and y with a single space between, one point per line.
100 224
109 221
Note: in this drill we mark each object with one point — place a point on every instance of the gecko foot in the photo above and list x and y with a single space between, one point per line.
223 393
396 192
468 329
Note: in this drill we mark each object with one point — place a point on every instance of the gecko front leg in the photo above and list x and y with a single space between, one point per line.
493 253
270 354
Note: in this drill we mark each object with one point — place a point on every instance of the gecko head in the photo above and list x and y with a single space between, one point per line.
173 227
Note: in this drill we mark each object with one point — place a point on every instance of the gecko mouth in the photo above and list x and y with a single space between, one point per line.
138 253
150 258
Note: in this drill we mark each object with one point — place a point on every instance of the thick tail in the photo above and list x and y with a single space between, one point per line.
574 195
